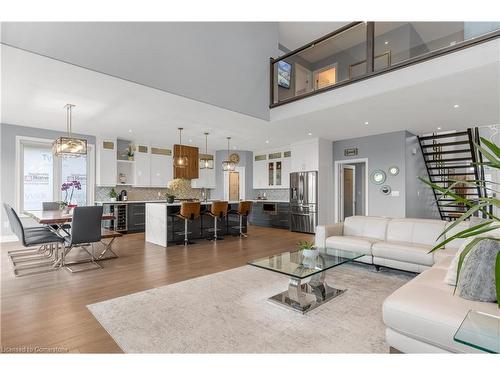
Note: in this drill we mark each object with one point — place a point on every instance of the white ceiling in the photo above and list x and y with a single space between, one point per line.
35 89
293 35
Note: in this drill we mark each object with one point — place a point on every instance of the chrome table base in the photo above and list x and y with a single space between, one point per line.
304 297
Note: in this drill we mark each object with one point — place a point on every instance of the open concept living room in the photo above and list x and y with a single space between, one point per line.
212 184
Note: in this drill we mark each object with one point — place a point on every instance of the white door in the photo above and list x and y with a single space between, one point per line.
303 80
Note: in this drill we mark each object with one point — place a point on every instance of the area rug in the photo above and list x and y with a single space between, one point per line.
228 312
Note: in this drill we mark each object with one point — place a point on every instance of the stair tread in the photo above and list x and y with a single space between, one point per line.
447 135
461 151
444 144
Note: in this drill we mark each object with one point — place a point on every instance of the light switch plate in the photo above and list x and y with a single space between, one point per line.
395 193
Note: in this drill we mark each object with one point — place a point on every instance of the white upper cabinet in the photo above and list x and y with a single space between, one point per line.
305 156
161 166
106 171
271 169
142 157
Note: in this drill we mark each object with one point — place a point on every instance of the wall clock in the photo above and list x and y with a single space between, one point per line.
235 158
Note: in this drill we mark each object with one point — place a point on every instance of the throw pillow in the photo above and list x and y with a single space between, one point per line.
477 275
451 274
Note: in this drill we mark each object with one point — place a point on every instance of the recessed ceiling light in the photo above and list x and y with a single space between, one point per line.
386 42
456 106
234 147
309 133
190 140
366 122
439 128
267 140
130 130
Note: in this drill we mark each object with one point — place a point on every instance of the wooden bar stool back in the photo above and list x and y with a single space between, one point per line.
189 211
218 210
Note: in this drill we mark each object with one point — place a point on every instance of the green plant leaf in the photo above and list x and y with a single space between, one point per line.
462 234
464 216
463 254
493 147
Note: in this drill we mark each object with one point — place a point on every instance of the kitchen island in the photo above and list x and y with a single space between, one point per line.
164 228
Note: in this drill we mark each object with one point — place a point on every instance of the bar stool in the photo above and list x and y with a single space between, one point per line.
244 209
189 211
218 210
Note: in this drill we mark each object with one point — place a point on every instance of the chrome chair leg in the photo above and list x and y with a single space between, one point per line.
67 265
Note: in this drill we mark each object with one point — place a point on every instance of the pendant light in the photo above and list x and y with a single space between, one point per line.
69 146
206 161
181 160
228 165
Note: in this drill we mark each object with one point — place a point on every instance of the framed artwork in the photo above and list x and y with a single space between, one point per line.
284 74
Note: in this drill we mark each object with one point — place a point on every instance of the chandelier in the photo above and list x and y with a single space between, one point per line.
207 161
228 165
180 160
69 146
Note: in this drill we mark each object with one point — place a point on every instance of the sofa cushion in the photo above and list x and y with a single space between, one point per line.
366 226
426 309
403 251
351 243
416 231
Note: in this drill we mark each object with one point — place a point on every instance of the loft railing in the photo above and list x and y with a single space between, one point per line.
361 50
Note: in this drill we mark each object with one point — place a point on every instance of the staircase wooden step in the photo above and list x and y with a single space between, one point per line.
452 174
444 144
448 152
449 160
447 135
451 167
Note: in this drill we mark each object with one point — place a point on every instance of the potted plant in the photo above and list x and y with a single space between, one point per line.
170 198
112 195
480 231
130 152
66 204
308 249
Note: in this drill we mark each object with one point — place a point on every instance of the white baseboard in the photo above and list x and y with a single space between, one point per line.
10 238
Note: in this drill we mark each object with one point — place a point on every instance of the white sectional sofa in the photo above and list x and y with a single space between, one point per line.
423 315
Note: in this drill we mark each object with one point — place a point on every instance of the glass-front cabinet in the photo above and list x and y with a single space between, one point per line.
271 170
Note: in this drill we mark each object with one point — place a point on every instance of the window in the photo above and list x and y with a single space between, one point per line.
41 174
38 176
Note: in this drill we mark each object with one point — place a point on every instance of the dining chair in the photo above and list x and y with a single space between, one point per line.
218 210
30 238
85 231
55 206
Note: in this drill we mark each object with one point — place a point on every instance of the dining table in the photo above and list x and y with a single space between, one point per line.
57 218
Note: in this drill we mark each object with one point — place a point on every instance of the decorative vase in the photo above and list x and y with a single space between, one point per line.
170 199
310 253
112 199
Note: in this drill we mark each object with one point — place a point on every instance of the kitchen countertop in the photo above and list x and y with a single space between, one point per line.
178 203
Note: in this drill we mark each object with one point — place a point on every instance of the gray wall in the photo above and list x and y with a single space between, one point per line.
246 160
8 161
221 63
382 151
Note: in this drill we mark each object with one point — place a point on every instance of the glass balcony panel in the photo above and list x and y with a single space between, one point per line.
396 42
327 63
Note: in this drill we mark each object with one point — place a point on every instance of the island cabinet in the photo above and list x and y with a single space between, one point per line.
164 227
192 169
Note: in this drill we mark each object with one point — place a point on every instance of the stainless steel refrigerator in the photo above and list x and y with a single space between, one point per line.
303 201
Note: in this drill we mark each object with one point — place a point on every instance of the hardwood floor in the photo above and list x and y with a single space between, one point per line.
48 311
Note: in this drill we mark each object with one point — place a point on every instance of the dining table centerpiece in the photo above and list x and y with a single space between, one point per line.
66 205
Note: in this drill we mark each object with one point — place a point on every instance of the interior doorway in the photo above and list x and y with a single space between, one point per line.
351 188
325 77
234 186
303 80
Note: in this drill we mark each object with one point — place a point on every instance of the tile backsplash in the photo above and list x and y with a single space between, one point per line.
182 189
280 194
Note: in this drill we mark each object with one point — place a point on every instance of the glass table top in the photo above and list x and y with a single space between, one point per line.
304 263
481 331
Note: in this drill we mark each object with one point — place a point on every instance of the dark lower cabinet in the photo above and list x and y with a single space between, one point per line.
278 219
136 217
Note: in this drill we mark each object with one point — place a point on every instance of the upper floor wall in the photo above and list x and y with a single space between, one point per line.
220 63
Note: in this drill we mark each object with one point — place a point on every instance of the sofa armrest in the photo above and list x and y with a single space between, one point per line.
325 231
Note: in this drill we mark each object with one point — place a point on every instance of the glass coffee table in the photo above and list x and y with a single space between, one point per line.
303 295
480 331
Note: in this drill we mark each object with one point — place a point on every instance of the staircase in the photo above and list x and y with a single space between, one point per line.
452 156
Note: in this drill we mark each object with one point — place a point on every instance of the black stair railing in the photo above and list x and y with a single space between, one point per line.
451 157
